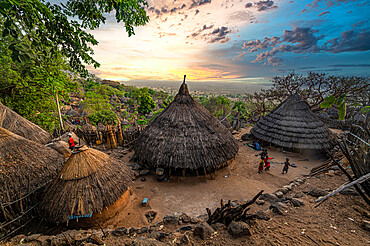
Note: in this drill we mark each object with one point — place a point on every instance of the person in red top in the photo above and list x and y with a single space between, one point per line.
267 163
71 142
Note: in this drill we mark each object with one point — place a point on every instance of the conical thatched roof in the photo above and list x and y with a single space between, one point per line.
185 135
293 125
89 181
24 165
15 123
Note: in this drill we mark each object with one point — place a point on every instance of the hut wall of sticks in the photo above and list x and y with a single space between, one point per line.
185 136
293 125
89 182
26 167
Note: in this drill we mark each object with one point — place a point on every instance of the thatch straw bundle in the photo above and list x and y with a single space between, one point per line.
15 123
185 135
89 181
293 125
24 165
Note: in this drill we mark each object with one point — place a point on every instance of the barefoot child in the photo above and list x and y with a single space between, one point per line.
267 163
286 166
260 167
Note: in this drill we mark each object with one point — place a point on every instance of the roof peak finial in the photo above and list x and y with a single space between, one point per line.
184 79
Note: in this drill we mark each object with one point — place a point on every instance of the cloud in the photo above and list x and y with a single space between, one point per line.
323 13
349 65
265 5
197 3
349 41
303 40
219 35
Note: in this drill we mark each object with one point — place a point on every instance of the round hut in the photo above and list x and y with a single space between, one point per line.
292 124
185 136
89 181
25 168
15 123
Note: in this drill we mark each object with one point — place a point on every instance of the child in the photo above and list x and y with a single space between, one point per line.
286 166
267 163
260 167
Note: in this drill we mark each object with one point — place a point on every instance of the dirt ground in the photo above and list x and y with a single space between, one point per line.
192 195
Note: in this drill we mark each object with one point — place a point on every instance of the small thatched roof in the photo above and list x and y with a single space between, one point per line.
89 181
15 123
185 135
62 148
24 165
293 125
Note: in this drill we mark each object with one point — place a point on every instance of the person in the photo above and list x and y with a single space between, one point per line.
267 163
257 146
71 142
263 154
260 167
286 166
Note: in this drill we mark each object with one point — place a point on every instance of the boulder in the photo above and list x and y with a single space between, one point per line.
171 219
278 208
218 226
144 172
239 229
204 231
186 228
296 202
185 218
268 197
284 190
194 220
317 192
119 232
279 194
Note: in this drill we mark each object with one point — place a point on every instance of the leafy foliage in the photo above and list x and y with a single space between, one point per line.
39 28
146 103
103 116
339 103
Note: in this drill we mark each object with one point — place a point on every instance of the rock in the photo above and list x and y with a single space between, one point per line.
300 180
239 229
158 235
194 220
171 219
204 231
119 232
284 190
155 190
317 192
134 166
57 241
185 218
279 194
186 228
17 238
298 195
277 208
268 197
96 239
143 230
297 202
218 226
32 237
349 191
366 225
288 187
245 137
260 202
261 215
144 172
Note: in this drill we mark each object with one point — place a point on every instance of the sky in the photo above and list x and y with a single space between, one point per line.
226 40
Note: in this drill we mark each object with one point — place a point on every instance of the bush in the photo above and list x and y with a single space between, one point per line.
103 116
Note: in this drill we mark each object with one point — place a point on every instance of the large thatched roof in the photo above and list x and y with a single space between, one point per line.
89 181
13 122
293 125
24 165
185 135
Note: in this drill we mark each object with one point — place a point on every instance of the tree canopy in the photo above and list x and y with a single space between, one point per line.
39 28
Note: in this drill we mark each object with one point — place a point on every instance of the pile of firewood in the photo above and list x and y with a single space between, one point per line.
226 213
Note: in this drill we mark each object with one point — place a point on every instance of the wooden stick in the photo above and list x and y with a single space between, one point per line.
359 180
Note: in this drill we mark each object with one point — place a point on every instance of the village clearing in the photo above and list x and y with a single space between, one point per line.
338 221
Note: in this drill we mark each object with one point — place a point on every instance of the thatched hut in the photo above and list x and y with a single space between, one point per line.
89 181
62 148
293 125
25 166
185 136
15 123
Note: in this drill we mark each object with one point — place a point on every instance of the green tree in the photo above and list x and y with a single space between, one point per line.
239 107
224 102
103 116
146 103
35 25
